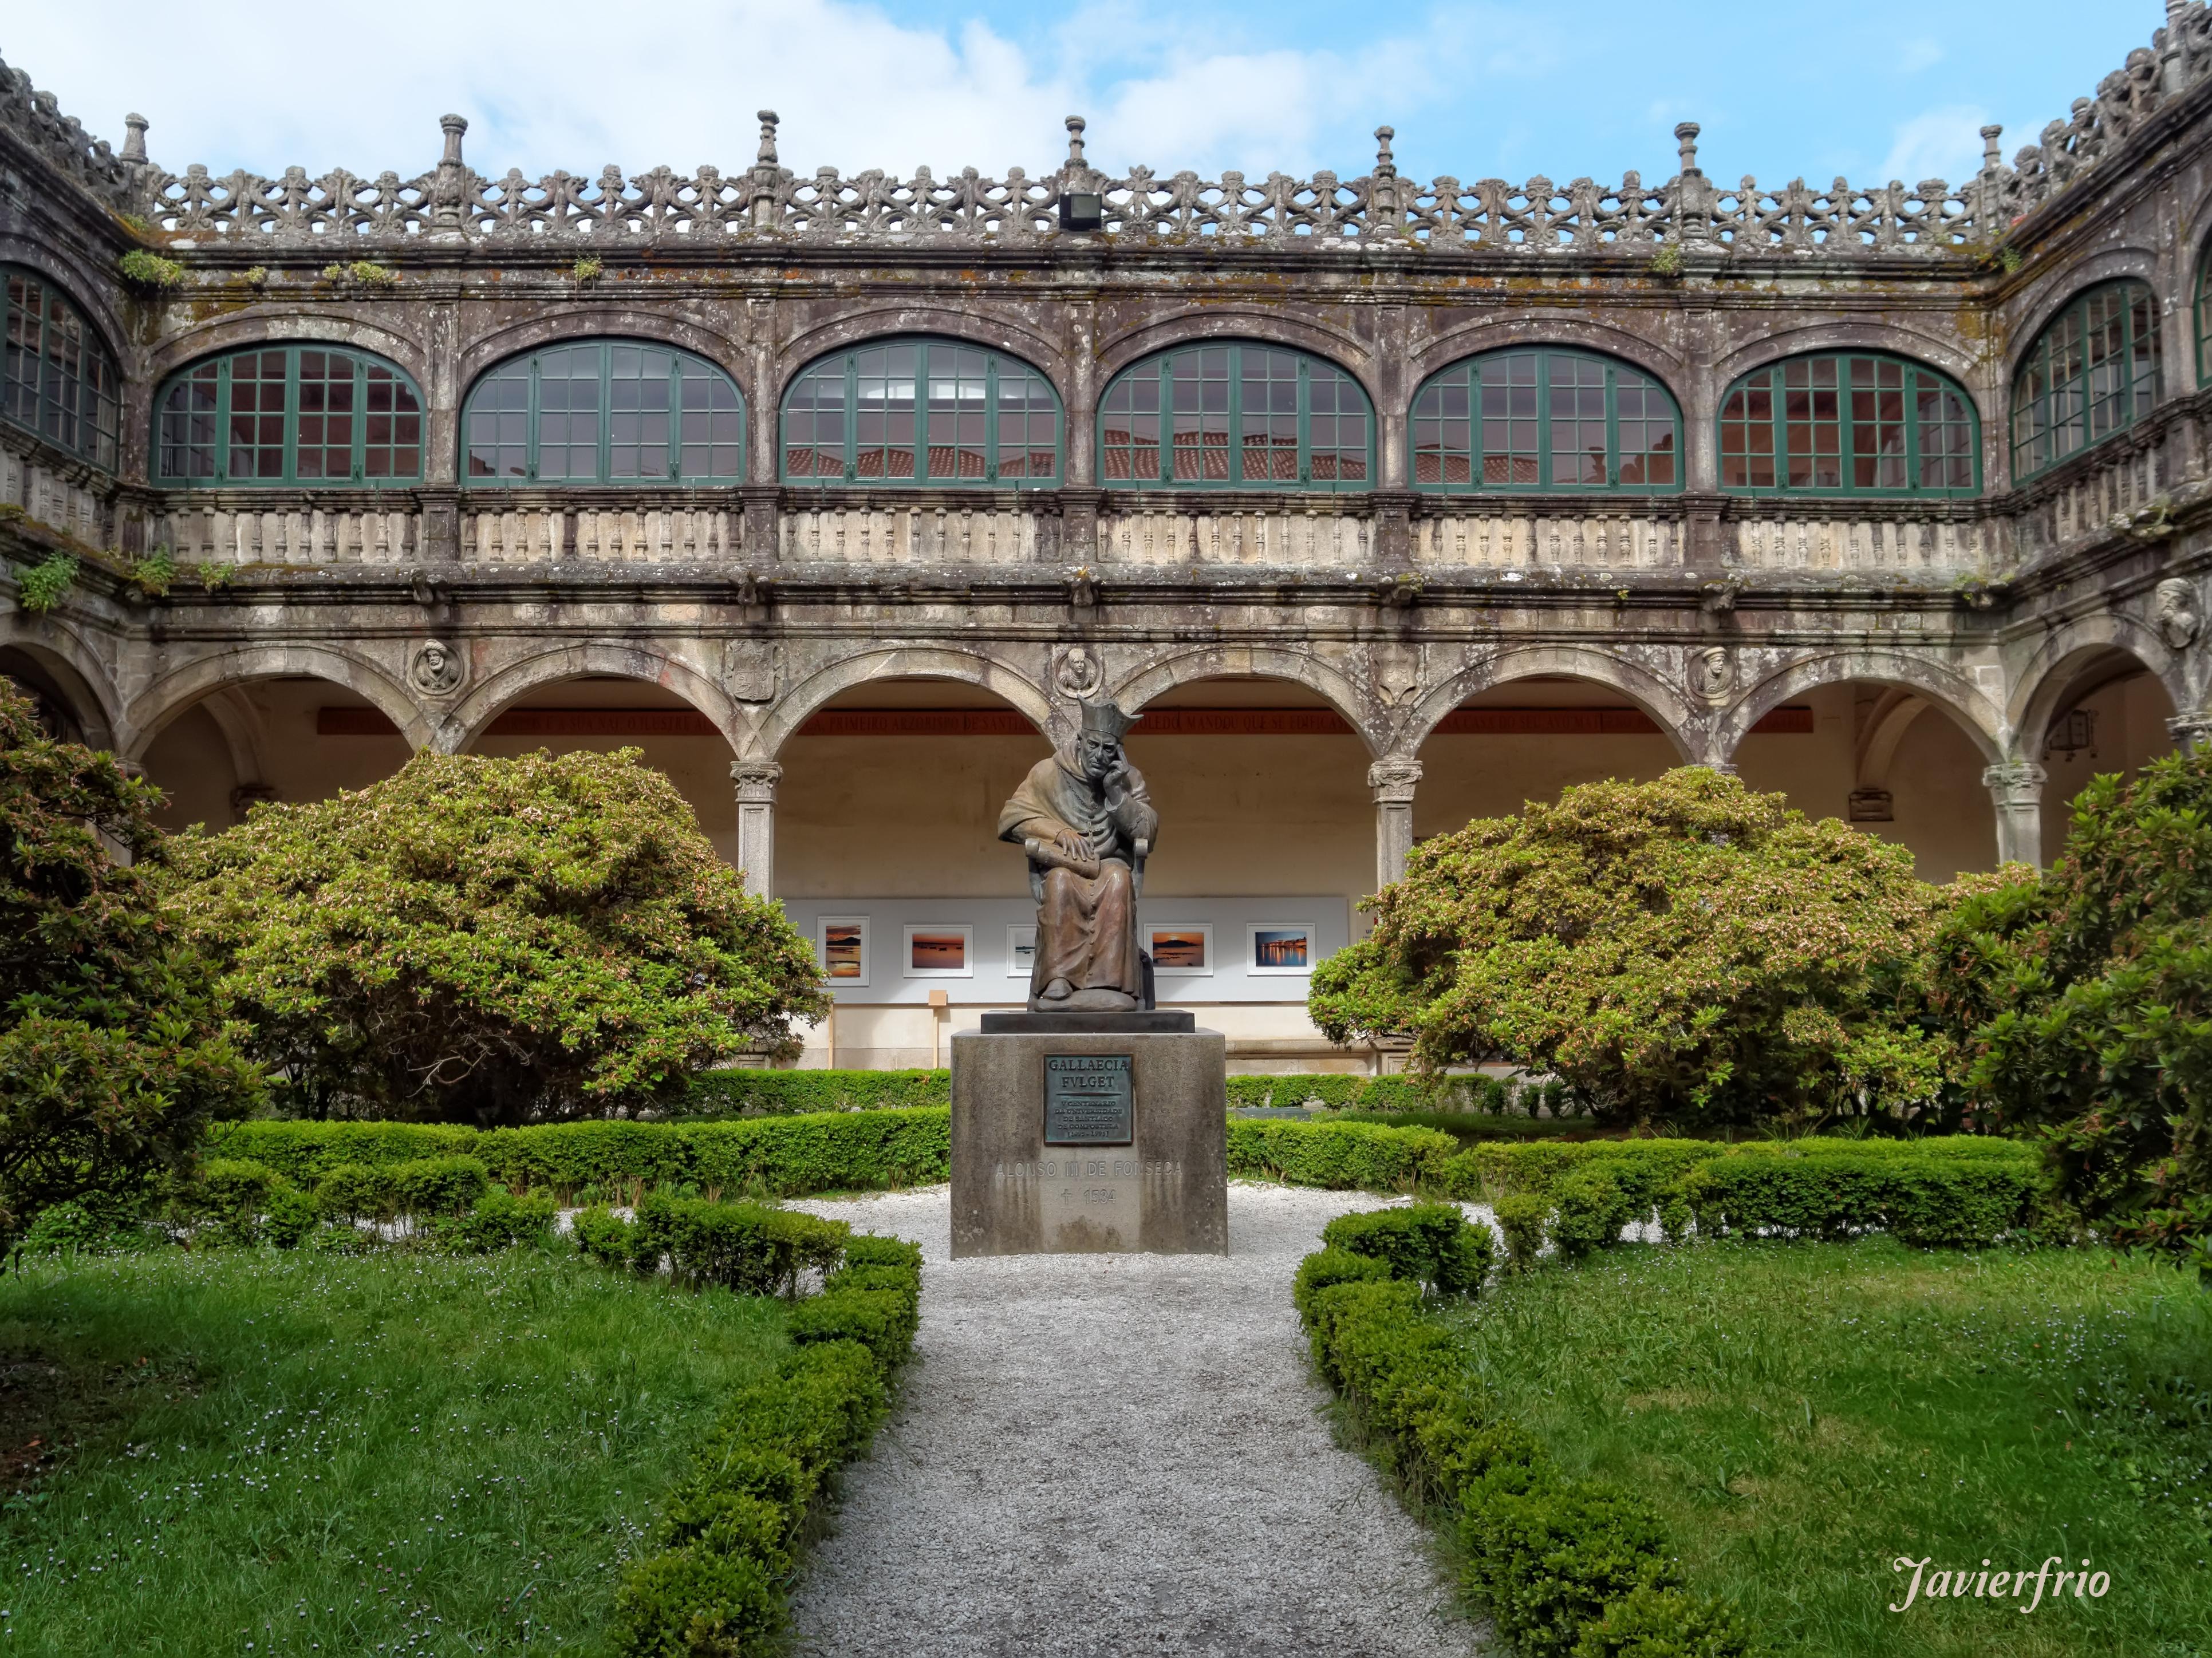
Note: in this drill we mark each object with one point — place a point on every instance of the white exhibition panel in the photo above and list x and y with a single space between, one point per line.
984 932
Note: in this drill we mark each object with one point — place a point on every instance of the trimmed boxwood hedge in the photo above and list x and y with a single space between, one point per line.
1568 1568
762 1093
723 1550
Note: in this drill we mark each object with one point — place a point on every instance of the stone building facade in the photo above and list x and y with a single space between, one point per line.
1389 503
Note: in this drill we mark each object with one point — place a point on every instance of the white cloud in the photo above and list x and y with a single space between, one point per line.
1937 144
575 86
1918 54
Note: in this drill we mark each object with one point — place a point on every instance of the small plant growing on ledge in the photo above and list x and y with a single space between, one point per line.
1667 261
255 275
152 574
362 273
149 273
586 272
41 588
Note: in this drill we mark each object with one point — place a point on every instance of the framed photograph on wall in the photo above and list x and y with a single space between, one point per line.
935 951
1279 947
1021 949
842 944
1180 949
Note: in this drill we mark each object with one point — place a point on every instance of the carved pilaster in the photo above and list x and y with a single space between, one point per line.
1393 781
755 782
2016 791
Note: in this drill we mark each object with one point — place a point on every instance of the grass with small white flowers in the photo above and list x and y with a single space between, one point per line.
280 1454
1803 1414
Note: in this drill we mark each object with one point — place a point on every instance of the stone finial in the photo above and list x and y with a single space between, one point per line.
134 140
1075 124
1686 135
1990 158
768 120
452 127
1386 164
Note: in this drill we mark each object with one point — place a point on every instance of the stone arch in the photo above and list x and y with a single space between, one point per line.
1333 685
180 689
1485 334
986 329
62 657
2049 675
1338 346
288 325
82 289
1640 684
485 702
798 704
1958 696
2041 304
1894 339
583 325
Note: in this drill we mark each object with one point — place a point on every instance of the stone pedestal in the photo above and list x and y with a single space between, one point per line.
1089 1132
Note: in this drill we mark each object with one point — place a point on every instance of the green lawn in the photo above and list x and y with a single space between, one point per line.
294 1453
1803 1414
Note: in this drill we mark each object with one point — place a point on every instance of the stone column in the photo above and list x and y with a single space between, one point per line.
2192 732
2017 791
756 780
1394 783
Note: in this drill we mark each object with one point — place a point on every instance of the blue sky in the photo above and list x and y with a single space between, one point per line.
1507 88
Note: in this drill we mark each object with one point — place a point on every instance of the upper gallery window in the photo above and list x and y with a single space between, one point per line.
603 411
56 379
1544 420
289 414
1236 415
2092 371
1848 423
922 411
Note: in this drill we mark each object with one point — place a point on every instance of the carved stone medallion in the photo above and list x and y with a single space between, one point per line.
1079 673
2174 604
1712 673
749 668
437 668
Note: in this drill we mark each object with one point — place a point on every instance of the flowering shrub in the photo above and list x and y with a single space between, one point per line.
1685 951
112 1056
2084 1001
492 940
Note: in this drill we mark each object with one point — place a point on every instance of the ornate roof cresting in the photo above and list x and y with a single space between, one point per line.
773 201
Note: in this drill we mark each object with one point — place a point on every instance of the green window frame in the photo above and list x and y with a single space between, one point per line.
1236 415
1848 423
1544 420
288 415
2091 371
602 412
918 411
56 380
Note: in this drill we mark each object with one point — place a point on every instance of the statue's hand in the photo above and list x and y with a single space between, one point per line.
1073 845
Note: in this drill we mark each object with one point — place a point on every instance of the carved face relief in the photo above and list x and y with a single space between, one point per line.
437 668
1712 673
2175 608
1077 674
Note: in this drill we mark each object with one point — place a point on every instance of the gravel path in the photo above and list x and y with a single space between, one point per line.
1113 1455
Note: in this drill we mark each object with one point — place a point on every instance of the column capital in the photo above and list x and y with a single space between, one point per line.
756 779
2192 732
2017 783
1394 781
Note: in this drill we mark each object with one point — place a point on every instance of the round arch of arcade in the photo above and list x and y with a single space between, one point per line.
1333 685
471 716
1668 710
175 692
765 740
62 655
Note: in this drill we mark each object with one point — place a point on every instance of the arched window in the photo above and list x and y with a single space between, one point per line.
922 411
1848 423
2093 371
289 414
1237 416
603 411
1544 420
56 379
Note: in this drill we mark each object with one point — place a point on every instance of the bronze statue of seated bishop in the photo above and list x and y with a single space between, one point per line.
1087 825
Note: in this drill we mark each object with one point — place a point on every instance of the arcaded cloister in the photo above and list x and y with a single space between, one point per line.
1387 504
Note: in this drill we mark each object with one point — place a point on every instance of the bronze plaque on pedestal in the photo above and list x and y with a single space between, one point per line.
1088 1099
